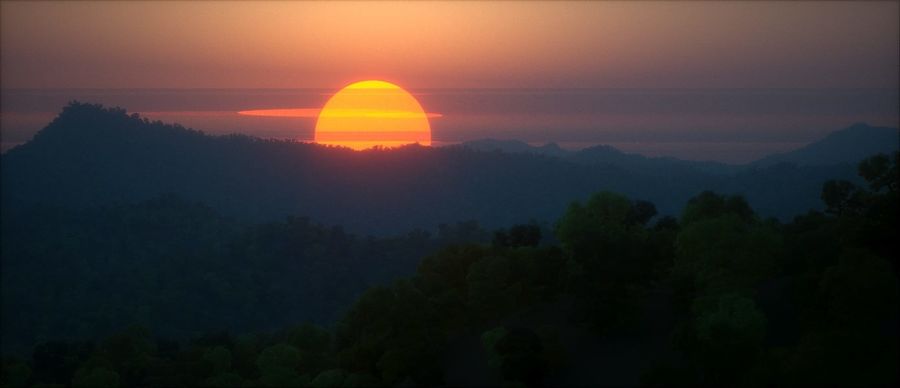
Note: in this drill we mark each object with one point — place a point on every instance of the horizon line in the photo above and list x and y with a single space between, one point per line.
443 88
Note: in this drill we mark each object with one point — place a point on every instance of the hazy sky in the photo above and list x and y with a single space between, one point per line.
434 44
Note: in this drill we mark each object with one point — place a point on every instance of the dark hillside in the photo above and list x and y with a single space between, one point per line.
90 156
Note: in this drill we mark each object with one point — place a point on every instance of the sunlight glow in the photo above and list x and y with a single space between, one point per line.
369 113
314 113
372 84
301 112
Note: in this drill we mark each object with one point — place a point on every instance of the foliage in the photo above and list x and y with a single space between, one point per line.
612 255
489 340
95 377
15 374
753 301
725 252
518 236
181 268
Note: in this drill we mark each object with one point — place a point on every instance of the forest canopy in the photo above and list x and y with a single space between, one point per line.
718 296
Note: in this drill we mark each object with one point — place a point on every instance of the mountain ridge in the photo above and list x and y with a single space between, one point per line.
90 155
847 145
864 140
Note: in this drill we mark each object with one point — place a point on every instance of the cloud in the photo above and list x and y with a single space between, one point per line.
333 112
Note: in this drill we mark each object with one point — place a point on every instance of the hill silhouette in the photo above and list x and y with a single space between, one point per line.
102 287
848 145
91 155
717 297
515 146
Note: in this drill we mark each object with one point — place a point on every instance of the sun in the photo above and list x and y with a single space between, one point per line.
363 115
369 113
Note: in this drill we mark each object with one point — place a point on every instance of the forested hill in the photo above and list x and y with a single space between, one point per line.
180 268
90 155
718 297
110 221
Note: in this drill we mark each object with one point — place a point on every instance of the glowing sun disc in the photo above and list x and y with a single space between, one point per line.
369 113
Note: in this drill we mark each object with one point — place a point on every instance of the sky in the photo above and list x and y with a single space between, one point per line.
450 45
728 81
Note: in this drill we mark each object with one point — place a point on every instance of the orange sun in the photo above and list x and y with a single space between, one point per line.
369 113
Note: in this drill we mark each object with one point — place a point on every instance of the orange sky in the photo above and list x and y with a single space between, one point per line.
435 44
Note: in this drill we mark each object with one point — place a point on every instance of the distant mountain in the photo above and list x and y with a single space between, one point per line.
515 146
90 155
845 146
605 154
600 154
849 145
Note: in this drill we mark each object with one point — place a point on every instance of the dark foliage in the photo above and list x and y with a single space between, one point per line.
756 302
121 295
181 268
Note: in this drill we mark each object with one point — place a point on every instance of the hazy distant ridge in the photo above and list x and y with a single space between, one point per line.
848 145
845 146
90 155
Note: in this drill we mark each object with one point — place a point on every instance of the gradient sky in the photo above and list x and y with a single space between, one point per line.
437 45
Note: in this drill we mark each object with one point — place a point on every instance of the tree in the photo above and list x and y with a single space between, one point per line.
518 236
392 332
837 357
842 197
489 340
711 205
518 354
442 277
489 287
721 245
57 361
611 256
605 236
881 172
314 345
220 359
730 330
859 290
642 212
600 227
95 378
14 374
330 378
277 365
227 379
725 253
130 353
